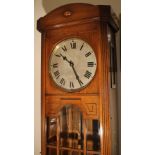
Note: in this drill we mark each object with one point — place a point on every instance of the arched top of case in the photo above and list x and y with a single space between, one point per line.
75 13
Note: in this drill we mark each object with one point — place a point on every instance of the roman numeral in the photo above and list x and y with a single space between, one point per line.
90 64
71 85
73 45
87 54
57 74
87 74
55 65
81 47
64 48
62 81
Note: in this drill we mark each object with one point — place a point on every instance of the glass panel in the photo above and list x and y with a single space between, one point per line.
93 154
77 153
66 152
71 129
51 151
51 131
93 136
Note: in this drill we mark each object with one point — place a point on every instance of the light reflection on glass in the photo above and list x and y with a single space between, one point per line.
93 135
51 131
71 129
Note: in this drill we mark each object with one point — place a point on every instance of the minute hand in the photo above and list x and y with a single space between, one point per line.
77 77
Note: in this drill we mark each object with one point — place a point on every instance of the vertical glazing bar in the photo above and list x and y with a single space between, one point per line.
85 132
58 131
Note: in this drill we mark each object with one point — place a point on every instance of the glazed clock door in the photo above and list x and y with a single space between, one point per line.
70 134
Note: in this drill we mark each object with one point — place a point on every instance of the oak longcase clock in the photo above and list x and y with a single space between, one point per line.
77 71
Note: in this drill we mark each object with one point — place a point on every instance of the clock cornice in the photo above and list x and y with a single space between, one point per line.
75 13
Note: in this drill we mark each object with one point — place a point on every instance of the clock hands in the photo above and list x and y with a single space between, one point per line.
77 77
72 65
65 58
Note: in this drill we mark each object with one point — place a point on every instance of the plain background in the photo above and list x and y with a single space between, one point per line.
17 77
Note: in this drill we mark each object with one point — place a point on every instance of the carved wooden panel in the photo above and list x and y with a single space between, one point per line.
89 105
91 108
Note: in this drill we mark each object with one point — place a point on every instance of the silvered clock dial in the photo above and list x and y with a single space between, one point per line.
72 64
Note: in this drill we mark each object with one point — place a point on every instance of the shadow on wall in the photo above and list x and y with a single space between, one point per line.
49 5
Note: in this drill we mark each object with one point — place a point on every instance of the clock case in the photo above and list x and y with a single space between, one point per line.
97 26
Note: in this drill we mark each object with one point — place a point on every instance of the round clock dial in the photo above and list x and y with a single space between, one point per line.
72 64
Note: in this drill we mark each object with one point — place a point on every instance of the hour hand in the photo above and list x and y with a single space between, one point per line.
60 55
57 55
64 57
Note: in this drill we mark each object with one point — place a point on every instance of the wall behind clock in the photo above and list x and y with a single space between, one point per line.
41 8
